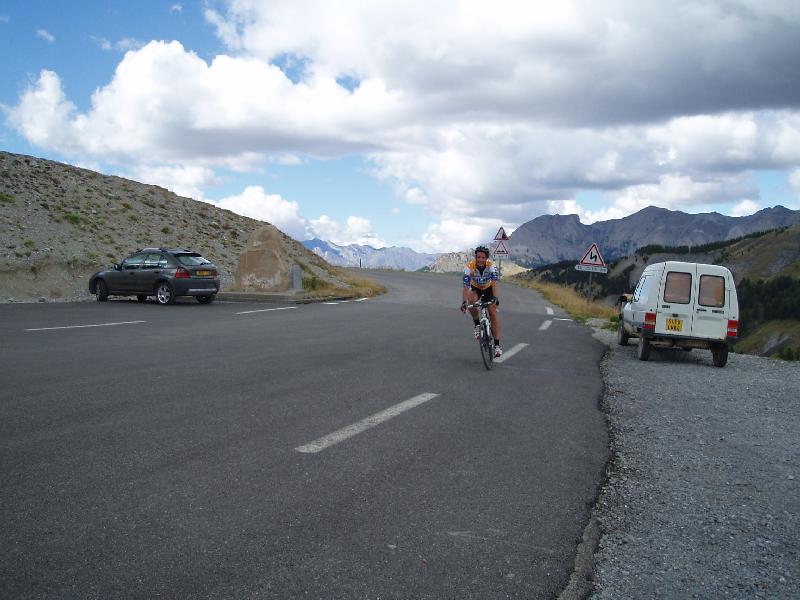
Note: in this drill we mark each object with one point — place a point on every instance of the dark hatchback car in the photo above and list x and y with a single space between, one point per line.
165 273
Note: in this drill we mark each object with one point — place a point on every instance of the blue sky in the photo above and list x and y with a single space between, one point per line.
415 124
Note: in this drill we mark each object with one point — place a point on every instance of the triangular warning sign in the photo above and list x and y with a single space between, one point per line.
593 258
501 234
501 248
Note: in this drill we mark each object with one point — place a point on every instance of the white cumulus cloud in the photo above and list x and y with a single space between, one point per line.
465 108
356 230
254 202
745 207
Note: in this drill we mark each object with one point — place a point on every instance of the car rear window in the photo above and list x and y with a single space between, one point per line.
678 288
191 260
712 291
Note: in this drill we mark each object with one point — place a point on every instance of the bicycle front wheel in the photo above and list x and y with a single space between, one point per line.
487 347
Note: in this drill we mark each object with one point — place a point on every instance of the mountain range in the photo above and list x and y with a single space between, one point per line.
550 239
355 255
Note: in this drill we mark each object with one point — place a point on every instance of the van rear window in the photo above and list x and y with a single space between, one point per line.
712 291
678 288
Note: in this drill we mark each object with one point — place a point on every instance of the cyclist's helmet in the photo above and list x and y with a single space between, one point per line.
483 249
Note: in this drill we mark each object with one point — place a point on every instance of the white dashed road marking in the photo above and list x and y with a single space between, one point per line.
545 325
247 312
509 353
79 326
364 424
549 310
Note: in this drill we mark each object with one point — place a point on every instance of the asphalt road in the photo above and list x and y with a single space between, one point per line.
153 451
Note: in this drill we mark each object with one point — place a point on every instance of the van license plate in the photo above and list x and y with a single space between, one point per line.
674 324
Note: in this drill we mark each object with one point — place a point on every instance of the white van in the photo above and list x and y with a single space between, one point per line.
681 305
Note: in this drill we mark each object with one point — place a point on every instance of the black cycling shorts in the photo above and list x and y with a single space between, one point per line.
484 295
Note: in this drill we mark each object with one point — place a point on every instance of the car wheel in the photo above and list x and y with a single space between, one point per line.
622 335
643 351
719 353
101 290
206 299
164 293
141 298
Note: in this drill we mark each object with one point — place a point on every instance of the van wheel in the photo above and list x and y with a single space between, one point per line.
622 335
719 353
643 351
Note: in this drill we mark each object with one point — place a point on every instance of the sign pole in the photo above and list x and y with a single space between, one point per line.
500 249
592 262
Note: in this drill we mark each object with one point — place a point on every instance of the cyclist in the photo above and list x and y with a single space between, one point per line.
480 281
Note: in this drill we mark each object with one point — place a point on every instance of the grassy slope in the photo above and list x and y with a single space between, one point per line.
566 297
770 337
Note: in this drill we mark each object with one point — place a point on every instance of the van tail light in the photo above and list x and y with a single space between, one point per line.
181 273
649 321
733 328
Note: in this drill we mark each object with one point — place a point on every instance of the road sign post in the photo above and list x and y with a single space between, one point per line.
592 262
500 249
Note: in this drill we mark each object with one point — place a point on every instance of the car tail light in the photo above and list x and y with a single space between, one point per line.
649 321
733 328
181 273
214 274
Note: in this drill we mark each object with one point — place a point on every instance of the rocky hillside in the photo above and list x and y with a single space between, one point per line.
59 224
549 239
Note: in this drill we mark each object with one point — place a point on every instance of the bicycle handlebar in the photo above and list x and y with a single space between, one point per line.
480 303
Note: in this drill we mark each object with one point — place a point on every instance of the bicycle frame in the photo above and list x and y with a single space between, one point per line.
486 339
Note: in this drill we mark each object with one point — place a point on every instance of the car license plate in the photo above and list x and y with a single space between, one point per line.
203 273
674 324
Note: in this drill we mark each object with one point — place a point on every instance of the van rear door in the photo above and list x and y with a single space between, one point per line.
675 309
712 306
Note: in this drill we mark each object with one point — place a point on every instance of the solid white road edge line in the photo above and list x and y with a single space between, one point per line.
79 326
549 310
356 428
247 312
545 325
509 353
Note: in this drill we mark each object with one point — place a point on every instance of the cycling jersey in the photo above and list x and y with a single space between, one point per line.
480 279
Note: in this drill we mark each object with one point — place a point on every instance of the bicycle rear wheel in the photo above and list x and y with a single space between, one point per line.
487 347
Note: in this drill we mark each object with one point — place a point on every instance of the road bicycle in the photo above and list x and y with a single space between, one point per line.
485 337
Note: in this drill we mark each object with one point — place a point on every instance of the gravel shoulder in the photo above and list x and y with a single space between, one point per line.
701 498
